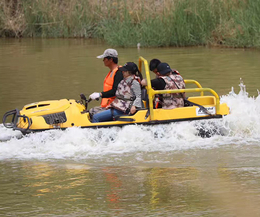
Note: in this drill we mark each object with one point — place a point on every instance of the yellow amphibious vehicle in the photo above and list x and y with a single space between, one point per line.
65 113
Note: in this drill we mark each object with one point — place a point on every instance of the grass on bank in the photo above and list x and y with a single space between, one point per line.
124 23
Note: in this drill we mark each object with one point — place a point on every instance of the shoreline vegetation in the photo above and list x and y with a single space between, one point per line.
124 23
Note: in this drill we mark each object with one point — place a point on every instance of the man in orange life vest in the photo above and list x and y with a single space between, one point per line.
110 59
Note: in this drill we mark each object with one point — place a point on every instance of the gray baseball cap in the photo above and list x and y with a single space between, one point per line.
108 53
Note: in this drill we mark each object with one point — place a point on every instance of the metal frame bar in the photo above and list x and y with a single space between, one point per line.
151 92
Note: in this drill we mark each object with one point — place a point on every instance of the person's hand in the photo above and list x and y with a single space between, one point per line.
133 110
144 82
94 96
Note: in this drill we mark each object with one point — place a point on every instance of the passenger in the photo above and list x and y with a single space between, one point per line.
128 95
153 67
168 79
110 59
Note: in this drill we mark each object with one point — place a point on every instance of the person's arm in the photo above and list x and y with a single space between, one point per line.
158 84
136 88
118 77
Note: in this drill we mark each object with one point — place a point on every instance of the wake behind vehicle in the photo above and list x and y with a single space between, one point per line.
64 113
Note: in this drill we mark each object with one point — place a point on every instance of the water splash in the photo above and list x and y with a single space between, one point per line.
241 127
244 117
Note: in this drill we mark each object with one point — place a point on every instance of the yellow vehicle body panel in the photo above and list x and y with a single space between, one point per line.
76 117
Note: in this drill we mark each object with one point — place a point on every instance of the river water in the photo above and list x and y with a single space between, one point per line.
164 170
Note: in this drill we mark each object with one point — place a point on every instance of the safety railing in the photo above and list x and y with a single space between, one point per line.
151 92
196 83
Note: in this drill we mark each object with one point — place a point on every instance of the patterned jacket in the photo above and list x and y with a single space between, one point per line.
173 100
125 96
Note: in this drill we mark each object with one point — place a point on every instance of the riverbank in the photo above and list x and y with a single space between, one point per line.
233 23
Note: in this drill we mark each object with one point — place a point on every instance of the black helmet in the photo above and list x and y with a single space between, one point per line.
164 68
129 66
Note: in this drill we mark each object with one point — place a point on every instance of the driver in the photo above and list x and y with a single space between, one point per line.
114 76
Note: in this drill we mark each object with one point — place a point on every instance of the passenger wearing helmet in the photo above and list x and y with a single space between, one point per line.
168 79
128 95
